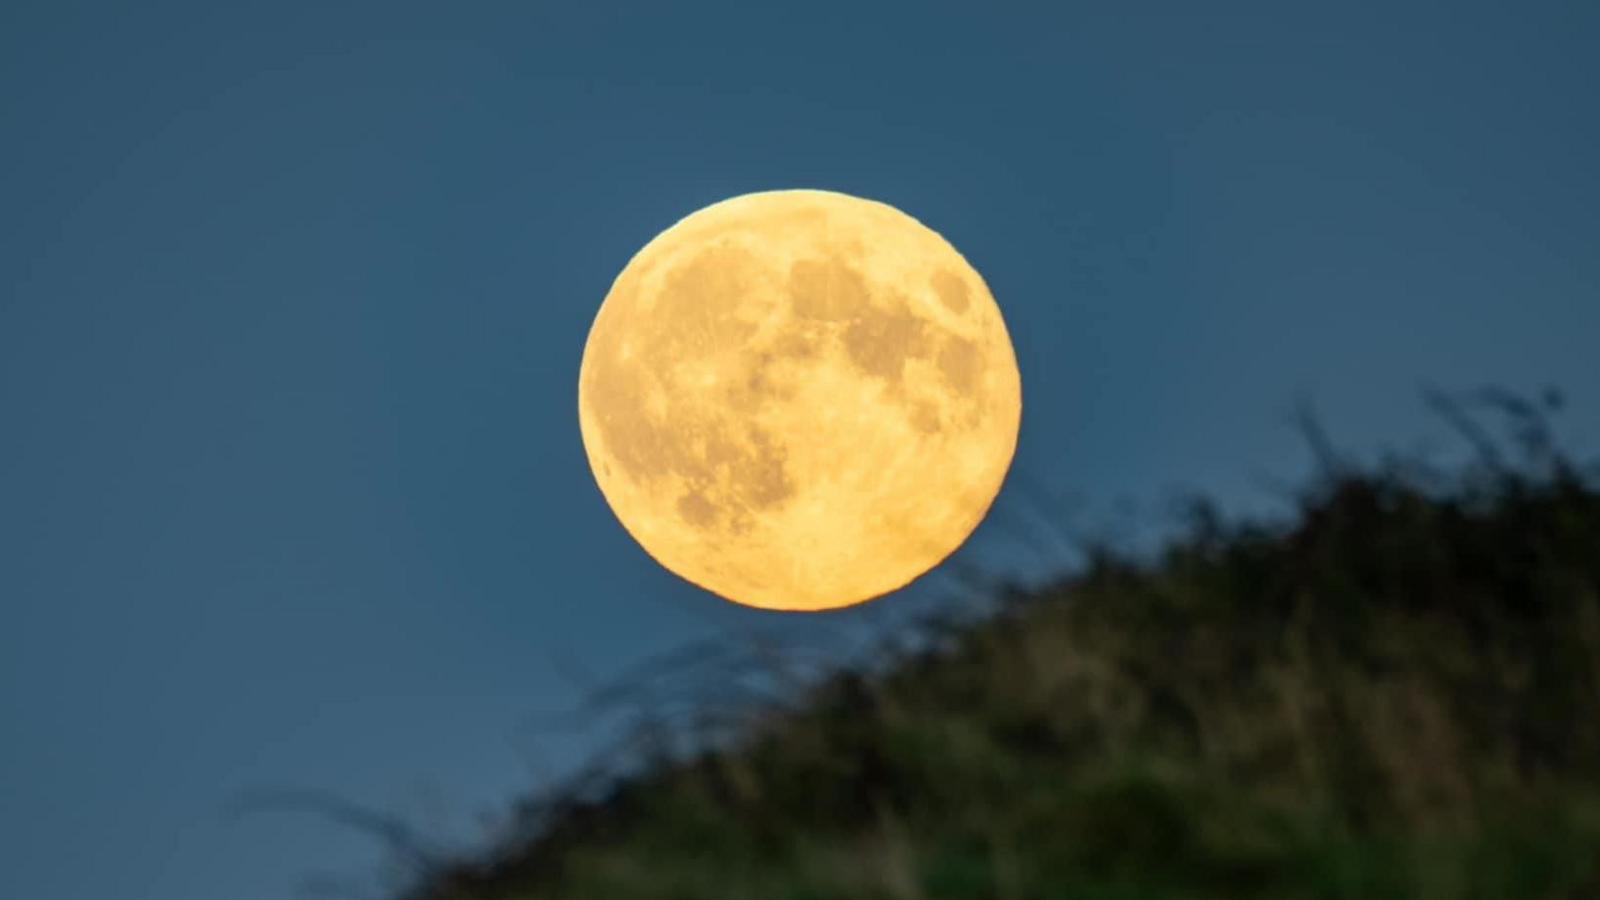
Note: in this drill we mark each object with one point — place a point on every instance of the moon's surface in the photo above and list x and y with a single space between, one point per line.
799 400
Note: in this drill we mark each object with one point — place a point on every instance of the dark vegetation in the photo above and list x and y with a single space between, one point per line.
1395 693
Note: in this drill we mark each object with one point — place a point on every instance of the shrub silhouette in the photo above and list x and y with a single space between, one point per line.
1395 694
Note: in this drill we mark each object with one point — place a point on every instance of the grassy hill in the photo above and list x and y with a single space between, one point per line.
1397 694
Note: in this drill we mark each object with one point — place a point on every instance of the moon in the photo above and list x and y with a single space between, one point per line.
799 399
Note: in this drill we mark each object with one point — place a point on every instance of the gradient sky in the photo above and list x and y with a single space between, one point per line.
292 299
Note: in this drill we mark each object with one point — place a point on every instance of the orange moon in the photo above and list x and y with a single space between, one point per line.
799 399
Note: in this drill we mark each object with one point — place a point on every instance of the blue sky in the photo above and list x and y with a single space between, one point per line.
292 299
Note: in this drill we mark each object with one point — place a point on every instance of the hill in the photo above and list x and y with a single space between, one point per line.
1395 694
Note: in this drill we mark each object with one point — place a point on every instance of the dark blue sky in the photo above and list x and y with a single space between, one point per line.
292 299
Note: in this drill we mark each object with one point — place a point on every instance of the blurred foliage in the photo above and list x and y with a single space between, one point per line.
1394 694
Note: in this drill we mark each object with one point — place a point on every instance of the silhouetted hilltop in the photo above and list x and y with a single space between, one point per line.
1395 695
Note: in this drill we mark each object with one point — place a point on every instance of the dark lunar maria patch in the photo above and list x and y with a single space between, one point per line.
827 289
951 289
880 340
958 360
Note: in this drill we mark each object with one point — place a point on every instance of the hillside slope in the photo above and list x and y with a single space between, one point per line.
1396 695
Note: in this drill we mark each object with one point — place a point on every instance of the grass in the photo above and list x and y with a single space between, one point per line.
1394 695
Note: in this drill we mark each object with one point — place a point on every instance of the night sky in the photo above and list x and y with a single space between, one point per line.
293 297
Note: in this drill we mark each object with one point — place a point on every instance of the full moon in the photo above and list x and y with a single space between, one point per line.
799 399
